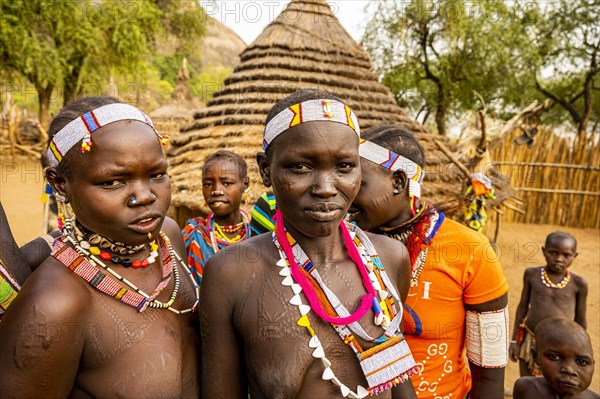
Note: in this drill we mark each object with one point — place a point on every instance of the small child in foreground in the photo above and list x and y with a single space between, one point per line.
548 291
564 354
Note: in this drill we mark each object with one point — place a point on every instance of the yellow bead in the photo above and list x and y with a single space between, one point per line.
304 321
95 250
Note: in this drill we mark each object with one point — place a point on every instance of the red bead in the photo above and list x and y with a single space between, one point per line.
145 263
105 255
136 264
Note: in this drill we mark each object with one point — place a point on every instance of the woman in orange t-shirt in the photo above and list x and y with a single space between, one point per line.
457 300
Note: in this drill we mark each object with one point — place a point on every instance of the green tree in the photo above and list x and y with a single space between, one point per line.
561 59
63 44
436 56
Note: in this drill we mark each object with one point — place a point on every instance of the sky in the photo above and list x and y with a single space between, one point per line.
248 18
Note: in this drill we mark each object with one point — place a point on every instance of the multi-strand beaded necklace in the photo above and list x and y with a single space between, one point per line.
548 283
417 234
84 261
219 239
384 365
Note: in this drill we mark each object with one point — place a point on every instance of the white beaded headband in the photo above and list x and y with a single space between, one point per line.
392 161
309 111
82 128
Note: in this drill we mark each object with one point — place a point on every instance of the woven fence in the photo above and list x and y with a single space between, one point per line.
558 179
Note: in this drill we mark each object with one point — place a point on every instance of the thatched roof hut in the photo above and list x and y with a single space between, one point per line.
305 46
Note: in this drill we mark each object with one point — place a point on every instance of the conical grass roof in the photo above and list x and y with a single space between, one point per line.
305 46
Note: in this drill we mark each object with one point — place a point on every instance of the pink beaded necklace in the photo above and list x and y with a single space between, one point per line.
310 292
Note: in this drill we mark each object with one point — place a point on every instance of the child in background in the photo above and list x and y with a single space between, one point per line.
548 291
109 313
565 357
224 182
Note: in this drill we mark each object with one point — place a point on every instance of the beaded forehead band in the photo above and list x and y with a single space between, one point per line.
82 128
309 111
392 161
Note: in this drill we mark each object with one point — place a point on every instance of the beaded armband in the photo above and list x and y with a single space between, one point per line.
487 338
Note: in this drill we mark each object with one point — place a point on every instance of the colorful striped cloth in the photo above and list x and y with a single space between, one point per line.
263 213
196 235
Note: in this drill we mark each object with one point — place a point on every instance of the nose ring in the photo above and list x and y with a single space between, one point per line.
132 200
214 193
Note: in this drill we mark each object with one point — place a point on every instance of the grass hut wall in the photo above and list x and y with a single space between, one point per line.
305 46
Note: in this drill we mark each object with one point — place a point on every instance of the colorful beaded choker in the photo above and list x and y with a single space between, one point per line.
218 239
83 263
548 283
85 243
384 365
417 236
104 243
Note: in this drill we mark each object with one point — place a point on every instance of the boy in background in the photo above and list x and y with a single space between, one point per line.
548 291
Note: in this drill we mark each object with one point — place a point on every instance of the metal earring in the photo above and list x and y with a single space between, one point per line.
396 191
59 197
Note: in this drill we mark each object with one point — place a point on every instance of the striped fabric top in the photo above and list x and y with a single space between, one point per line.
263 213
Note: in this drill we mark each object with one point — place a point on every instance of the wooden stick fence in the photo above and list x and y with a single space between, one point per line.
558 179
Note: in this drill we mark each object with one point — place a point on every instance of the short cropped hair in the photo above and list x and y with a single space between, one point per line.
230 156
398 140
551 325
560 235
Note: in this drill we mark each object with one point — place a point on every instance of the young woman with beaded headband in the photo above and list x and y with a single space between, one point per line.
457 288
224 184
308 311
108 313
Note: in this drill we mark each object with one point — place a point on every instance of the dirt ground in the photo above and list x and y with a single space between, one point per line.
519 245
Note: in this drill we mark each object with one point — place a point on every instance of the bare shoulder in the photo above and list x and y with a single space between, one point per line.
388 247
527 387
52 294
242 259
579 281
532 272
173 231
587 394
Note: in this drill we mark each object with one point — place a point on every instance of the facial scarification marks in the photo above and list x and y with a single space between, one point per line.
106 342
